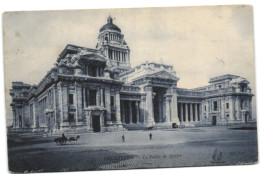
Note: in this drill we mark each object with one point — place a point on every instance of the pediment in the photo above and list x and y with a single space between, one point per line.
163 75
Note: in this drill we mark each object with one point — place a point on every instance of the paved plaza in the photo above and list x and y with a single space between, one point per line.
167 148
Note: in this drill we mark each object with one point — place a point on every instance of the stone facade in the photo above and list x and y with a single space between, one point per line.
97 90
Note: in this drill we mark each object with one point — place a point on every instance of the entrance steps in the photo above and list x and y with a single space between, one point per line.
163 125
134 126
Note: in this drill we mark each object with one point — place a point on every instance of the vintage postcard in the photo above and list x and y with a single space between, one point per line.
130 88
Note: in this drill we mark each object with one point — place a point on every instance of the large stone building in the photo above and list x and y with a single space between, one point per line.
97 90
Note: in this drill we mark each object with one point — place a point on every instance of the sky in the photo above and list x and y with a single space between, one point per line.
200 42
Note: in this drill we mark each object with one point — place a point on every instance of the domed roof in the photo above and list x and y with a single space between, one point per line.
110 25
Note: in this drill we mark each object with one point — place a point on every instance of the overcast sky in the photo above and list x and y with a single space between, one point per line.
200 42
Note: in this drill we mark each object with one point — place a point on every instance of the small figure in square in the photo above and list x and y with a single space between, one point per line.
151 136
123 138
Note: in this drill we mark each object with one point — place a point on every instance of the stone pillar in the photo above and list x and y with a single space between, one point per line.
78 102
168 111
186 112
149 105
237 107
231 109
191 112
98 97
137 111
87 101
174 107
86 69
196 111
118 112
181 107
200 108
208 109
130 112
142 109
101 97
84 97
222 115
56 107
250 109
160 110
97 70
108 105
123 111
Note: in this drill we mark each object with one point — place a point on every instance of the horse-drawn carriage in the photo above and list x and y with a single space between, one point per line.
63 140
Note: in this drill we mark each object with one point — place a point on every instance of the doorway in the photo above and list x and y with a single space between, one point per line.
96 123
246 118
214 120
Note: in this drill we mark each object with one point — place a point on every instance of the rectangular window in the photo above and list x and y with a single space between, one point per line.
71 99
241 104
227 105
205 108
215 105
92 97
112 100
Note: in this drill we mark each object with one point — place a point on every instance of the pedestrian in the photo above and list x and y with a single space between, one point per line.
151 136
123 138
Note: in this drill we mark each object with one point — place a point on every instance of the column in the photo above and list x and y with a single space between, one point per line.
98 97
86 69
84 97
168 112
123 111
186 112
196 111
174 107
222 115
199 111
250 117
191 112
142 113
76 102
208 109
237 103
107 100
101 97
137 111
97 71
181 107
231 109
118 112
87 97
149 105
130 112
160 110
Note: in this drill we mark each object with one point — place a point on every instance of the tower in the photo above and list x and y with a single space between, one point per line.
111 42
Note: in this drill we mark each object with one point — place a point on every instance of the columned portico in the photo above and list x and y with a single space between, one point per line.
189 112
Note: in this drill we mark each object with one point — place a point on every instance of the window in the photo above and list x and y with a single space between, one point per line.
112 100
227 105
227 115
92 97
215 105
241 104
71 118
205 108
71 99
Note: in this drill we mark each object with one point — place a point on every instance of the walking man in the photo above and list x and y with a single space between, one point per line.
123 138
151 136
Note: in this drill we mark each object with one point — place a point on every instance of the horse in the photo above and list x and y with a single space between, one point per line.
74 138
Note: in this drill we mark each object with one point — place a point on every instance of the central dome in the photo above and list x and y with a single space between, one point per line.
110 25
